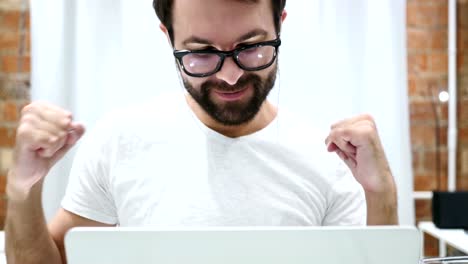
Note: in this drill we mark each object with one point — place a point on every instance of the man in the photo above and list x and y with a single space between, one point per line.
223 155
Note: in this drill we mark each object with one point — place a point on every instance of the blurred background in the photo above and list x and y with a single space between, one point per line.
387 57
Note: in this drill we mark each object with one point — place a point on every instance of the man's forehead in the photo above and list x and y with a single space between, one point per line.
220 19
224 2
210 8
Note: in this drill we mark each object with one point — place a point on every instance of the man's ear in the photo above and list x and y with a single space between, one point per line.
166 32
283 16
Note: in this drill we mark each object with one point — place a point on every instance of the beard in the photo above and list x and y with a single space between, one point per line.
237 112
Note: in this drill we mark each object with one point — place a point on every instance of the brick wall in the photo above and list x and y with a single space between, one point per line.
427 22
14 80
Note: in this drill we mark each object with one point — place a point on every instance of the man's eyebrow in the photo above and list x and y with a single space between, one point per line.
251 34
196 40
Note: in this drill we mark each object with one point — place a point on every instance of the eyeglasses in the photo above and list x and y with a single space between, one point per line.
254 57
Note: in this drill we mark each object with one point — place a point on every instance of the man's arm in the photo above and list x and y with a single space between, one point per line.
64 221
357 143
45 133
29 240
382 208
27 237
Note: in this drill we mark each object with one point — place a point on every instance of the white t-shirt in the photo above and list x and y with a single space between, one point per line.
157 165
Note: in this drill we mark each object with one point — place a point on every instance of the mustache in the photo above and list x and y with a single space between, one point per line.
225 87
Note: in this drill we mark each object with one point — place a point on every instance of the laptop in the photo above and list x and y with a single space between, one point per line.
253 245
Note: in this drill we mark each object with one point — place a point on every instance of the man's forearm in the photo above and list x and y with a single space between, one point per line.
27 236
382 208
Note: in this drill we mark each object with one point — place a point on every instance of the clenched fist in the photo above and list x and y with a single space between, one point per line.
45 133
357 143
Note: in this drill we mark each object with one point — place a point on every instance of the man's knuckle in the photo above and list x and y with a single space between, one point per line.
333 134
62 134
367 131
368 117
22 130
67 121
333 126
341 130
54 139
366 128
371 124
26 119
27 108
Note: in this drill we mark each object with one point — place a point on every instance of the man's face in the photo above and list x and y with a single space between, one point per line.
231 96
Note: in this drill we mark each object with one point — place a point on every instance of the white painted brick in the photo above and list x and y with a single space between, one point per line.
6 159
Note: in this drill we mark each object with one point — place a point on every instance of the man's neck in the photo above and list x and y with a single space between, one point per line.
263 118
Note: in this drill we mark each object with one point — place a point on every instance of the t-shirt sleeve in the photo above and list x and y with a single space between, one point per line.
88 193
346 201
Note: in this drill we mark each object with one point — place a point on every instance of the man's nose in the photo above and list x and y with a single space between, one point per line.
230 72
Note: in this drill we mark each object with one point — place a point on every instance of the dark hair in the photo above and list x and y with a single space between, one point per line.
163 10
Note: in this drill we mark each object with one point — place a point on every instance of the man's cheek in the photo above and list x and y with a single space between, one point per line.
196 84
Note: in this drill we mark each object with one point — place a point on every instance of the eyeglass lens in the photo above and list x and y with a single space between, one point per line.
251 58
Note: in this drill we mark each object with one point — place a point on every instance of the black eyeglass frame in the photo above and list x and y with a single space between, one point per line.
179 54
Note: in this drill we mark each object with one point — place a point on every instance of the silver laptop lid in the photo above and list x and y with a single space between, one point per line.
272 245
